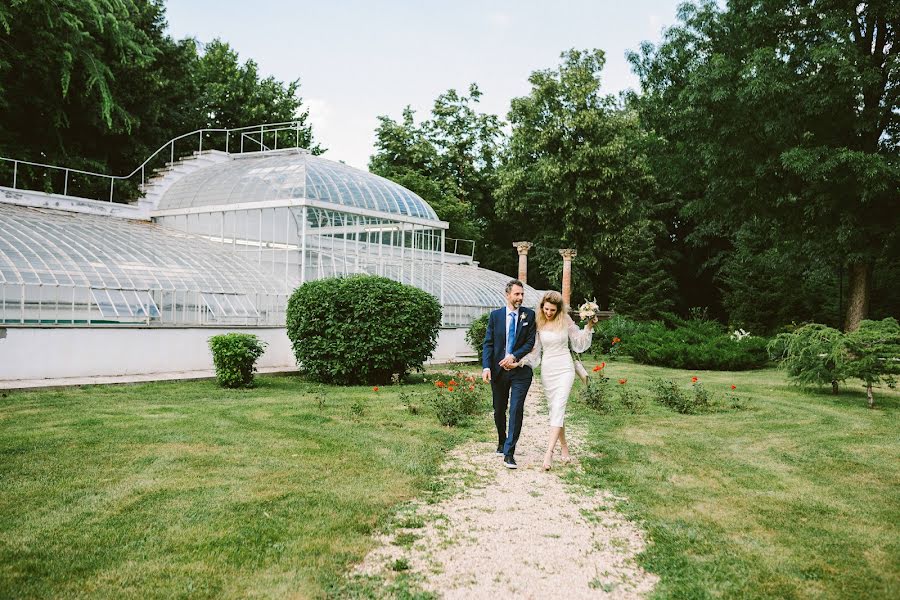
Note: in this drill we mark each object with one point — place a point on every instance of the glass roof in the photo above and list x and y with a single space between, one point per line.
39 246
468 285
291 174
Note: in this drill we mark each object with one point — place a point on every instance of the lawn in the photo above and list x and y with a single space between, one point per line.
186 490
796 497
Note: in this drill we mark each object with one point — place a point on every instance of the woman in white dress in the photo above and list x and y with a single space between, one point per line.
556 334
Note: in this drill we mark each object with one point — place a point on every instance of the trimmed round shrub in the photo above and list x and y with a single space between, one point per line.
361 329
477 330
235 355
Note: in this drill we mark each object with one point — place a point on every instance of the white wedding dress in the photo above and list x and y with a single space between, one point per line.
551 347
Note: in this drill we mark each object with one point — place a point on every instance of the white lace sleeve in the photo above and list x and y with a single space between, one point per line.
579 339
533 358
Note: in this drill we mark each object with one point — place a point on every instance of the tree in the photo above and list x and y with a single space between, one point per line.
99 85
574 174
450 160
59 68
768 283
231 94
874 348
644 287
814 354
786 110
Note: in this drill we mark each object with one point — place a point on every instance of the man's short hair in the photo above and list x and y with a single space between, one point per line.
513 283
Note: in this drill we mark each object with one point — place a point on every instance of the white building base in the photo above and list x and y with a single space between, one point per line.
31 356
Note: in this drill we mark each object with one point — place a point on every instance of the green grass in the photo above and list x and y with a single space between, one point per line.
796 497
184 489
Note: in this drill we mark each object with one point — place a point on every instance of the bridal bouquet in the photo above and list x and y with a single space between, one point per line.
589 310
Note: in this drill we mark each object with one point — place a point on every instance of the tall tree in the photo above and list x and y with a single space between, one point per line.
574 174
99 84
644 287
785 110
450 160
232 94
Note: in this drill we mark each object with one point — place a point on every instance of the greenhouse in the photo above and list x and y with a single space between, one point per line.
227 237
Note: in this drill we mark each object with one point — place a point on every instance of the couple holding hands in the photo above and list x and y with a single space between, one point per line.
516 342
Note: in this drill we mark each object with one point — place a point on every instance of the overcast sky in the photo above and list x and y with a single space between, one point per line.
357 60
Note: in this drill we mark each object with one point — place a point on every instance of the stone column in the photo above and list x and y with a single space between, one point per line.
568 254
523 248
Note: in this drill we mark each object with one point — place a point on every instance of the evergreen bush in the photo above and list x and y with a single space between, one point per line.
694 344
234 356
477 331
361 329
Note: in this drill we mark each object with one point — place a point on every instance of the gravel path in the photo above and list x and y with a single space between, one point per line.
522 533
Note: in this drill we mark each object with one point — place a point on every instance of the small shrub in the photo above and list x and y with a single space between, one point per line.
475 334
631 401
670 395
361 329
702 399
447 407
234 356
596 394
736 402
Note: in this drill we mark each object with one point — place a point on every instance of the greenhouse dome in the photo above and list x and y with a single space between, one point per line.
292 174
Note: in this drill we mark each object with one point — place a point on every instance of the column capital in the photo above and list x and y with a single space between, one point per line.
522 247
568 253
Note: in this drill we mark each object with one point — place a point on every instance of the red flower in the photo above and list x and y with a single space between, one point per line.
450 388
616 340
597 368
622 381
602 365
734 387
440 384
452 382
471 388
695 379
375 389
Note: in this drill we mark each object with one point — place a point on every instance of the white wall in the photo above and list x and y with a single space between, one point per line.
57 352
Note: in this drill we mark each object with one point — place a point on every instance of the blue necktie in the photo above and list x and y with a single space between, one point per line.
511 333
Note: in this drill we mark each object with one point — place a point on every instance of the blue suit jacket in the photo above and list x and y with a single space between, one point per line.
494 348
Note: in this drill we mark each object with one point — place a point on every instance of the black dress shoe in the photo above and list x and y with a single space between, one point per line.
509 462
500 449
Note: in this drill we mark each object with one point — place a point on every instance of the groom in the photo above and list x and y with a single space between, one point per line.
509 337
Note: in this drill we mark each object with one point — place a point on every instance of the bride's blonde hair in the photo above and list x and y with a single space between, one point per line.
562 311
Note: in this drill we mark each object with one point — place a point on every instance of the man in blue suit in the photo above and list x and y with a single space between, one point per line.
509 337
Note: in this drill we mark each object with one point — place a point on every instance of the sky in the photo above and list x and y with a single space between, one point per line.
357 60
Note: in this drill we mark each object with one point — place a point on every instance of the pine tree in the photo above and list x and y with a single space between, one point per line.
644 287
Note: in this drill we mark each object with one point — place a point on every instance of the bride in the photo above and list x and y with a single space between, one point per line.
556 333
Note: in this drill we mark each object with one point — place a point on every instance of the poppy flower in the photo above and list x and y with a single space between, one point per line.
602 365
440 384
695 379
375 389
616 340
452 382
622 381
734 387
597 368
450 388
471 388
